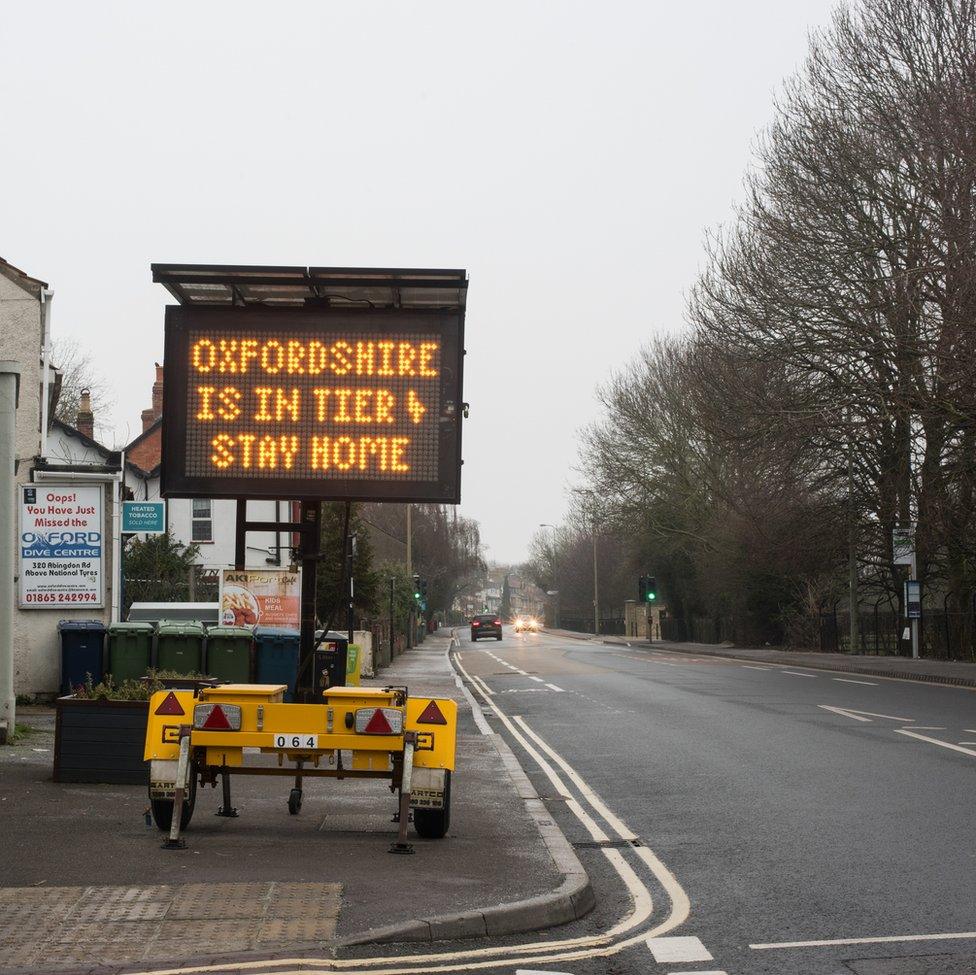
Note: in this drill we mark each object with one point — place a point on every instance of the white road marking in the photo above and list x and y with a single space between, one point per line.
548 971
476 712
678 948
552 687
482 686
749 667
936 741
847 680
851 713
795 673
890 939
966 743
711 971
927 727
538 680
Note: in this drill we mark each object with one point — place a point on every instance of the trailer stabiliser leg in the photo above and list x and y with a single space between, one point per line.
226 809
400 845
173 841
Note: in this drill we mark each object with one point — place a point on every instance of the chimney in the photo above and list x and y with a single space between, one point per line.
150 416
85 422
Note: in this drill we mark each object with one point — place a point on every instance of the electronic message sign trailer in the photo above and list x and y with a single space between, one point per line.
309 384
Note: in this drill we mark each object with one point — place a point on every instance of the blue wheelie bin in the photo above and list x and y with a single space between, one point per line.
82 652
276 658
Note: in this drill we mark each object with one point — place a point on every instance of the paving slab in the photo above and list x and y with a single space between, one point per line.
85 882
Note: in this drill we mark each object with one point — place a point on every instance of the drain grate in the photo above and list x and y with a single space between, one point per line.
607 844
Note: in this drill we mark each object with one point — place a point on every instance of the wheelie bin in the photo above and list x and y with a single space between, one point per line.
129 650
82 652
329 661
230 654
276 657
179 646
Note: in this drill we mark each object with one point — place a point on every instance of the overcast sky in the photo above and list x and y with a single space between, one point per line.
570 156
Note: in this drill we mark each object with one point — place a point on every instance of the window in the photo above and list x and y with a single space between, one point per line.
202 520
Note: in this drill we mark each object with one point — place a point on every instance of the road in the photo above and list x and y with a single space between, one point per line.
789 805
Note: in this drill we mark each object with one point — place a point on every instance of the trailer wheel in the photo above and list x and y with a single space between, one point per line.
162 809
433 824
295 801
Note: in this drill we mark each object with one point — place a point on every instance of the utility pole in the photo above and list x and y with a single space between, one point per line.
351 612
9 392
596 591
555 582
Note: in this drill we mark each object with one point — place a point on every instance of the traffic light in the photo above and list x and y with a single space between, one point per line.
416 587
647 589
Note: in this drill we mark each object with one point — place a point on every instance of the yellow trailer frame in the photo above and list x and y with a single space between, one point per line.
310 740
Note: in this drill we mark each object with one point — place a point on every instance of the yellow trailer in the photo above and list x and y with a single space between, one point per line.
198 735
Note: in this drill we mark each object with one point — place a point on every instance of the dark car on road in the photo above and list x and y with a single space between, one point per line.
486 625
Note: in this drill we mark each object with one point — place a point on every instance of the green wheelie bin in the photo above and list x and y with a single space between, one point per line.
230 654
179 646
129 650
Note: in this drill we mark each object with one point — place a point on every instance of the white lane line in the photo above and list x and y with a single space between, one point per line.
936 741
890 939
928 727
748 667
680 904
476 712
795 673
851 713
846 714
482 686
552 687
711 971
678 948
966 742
847 680
538 680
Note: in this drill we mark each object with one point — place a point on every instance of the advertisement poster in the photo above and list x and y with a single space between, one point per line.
61 546
265 597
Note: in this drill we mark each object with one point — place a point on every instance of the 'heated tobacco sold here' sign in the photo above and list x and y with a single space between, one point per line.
312 403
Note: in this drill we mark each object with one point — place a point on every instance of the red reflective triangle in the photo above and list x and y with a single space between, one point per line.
170 705
378 725
431 715
216 720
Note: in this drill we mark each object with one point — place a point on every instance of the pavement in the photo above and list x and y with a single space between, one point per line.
83 881
961 673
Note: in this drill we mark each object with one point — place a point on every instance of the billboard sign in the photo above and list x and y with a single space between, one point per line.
903 546
61 546
144 517
313 402
265 597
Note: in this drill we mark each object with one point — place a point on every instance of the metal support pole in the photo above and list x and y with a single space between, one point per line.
9 390
596 592
173 842
401 845
240 535
226 810
311 512
914 622
351 609
410 615
392 598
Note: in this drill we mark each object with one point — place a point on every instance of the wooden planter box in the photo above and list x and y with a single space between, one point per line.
100 741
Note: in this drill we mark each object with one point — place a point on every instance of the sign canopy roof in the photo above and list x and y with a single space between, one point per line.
234 285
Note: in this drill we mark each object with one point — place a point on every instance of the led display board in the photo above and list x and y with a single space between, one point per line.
311 402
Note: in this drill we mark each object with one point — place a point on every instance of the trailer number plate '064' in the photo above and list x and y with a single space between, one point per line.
296 741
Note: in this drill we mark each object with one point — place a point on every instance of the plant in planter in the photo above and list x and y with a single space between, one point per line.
100 730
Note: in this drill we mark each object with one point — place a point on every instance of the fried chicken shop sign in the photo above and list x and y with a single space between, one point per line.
312 403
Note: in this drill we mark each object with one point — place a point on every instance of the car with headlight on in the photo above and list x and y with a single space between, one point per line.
526 624
487 624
